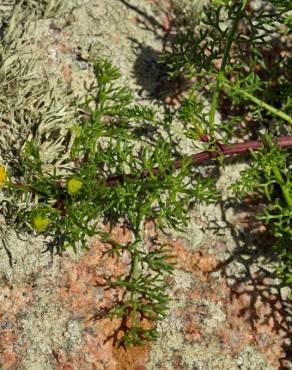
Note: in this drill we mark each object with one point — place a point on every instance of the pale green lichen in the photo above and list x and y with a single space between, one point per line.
41 8
30 108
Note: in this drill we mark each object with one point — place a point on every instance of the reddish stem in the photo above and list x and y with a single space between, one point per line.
226 150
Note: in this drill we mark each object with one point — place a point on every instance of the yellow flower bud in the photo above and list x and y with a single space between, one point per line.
74 184
3 175
40 222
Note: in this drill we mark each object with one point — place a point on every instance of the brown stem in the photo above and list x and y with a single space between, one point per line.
226 150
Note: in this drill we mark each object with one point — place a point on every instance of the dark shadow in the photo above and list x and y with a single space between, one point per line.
147 70
7 210
8 252
147 20
254 247
55 245
150 74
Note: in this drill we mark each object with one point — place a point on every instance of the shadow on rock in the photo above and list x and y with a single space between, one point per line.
260 298
150 73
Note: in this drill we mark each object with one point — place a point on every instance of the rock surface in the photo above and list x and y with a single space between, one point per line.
227 313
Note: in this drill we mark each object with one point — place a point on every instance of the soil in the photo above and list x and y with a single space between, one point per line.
228 312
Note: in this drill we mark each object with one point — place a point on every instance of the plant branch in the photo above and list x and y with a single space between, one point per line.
135 267
282 184
221 74
25 187
225 150
262 104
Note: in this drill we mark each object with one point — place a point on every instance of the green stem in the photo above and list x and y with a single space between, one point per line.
221 74
133 295
282 184
24 187
262 104
135 267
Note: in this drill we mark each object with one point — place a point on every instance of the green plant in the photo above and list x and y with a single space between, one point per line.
239 59
66 207
102 170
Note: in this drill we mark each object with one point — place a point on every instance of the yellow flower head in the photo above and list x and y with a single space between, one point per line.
40 222
3 175
74 184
